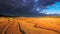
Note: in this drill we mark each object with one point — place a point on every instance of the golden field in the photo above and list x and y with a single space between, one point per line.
29 25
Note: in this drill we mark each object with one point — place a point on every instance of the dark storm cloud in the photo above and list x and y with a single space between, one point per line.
15 7
22 8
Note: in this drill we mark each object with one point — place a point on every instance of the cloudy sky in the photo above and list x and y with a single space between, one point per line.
29 7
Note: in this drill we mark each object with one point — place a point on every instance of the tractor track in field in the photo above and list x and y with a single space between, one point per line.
20 29
3 27
5 30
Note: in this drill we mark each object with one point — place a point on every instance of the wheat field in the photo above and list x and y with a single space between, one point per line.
29 25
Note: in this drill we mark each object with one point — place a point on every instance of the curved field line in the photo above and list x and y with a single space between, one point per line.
46 28
2 28
2 25
4 31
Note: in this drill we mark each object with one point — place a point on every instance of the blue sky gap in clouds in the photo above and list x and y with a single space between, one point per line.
53 9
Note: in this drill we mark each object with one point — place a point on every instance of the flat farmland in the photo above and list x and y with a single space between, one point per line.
29 25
